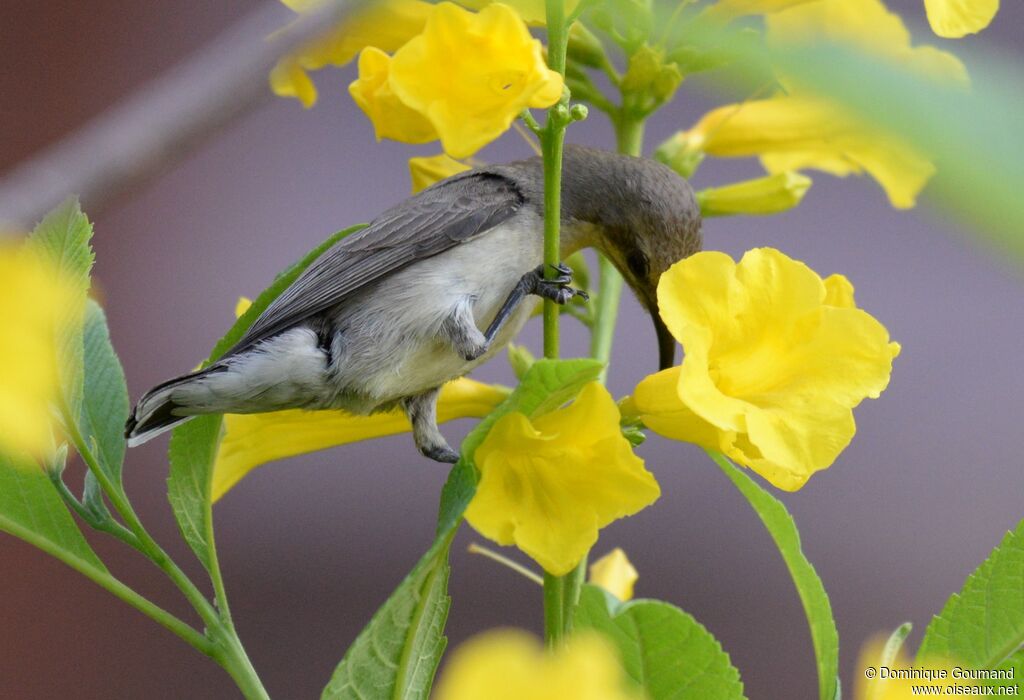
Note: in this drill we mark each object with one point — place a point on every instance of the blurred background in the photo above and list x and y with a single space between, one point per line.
312 546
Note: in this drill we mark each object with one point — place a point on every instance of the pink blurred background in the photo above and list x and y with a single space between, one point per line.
312 546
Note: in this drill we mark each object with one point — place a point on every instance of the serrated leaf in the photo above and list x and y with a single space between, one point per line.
62 241
395 657
808 584
664 650
193 446
105 397
31 510
983 624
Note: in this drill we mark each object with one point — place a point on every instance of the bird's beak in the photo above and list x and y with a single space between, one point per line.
666 343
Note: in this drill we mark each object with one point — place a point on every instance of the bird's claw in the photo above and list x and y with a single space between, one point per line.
557 289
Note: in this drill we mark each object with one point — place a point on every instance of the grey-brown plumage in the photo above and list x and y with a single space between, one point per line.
432 288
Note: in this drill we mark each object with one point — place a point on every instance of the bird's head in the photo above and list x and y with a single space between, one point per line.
645 218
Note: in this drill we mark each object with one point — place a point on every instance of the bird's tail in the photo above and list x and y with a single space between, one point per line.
157 411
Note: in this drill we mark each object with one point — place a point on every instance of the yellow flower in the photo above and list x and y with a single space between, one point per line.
793 133
33 304
764 195
426 171
775 361
386 24
390 117
615 573
549 485
866 25
513 665
953 19
252 440
533 12
801 130
472 74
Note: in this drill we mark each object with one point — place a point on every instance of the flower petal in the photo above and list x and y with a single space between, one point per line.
550 485
252 440
615 573
775 360
426 171
953 19
492 70
391 118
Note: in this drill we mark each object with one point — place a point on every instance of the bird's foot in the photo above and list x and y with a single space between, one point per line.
441 453
556 289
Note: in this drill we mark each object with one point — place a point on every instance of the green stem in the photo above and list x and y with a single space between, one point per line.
226 648
551 148
107 581
552 138
554 609
232 657
556 615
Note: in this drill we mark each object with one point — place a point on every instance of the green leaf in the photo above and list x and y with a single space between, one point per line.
520 359
62 240
983 624
105 399
194 444
817 608
664 650
32 510
396 656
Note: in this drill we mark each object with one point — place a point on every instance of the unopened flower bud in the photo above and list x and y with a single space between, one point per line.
681 152
765 195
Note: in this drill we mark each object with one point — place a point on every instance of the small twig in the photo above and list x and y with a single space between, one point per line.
164 120
474 548
527 136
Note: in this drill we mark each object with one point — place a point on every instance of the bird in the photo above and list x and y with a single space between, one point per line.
435 286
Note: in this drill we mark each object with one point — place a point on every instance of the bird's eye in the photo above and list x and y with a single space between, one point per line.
638 264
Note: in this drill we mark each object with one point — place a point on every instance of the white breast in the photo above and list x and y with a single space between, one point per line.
388 346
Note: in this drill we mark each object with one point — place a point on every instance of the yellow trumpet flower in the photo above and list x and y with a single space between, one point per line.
470 74
34 303
548 485
776 359
386 24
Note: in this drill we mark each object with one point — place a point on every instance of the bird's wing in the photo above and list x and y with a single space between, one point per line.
433 221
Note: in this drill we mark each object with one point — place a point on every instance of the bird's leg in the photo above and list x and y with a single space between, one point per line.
421 410
467 339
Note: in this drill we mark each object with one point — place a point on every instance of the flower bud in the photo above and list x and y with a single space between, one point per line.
578 112
584 48
681 153
765 195
643 68
666 82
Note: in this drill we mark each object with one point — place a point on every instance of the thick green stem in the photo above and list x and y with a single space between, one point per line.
554 609
551 149
556 615
232 657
